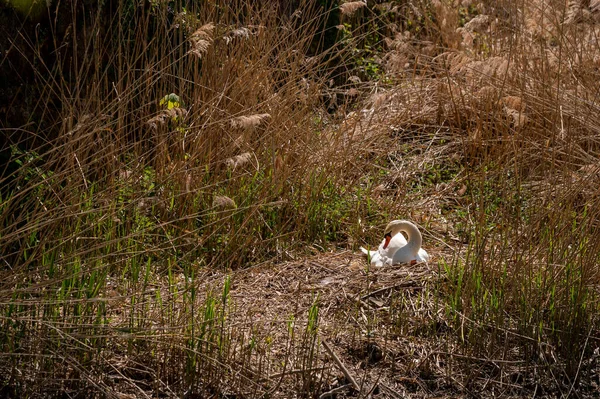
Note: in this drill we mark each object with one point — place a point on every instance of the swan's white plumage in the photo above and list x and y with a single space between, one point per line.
407 257
383 256
399 250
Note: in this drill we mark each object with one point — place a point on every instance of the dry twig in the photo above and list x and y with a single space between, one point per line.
339 363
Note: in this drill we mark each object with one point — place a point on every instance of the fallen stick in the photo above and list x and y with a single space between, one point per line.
335 391
341 365
401 285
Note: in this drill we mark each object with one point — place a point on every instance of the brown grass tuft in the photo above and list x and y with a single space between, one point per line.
351 7
239 161
242 33
224 202
165 115
249 121
201 40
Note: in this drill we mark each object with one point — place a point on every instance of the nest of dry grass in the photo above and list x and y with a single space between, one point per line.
381 332
167 247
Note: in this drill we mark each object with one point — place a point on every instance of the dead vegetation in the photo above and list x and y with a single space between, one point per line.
203 243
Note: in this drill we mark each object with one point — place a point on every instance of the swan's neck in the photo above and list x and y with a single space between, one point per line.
414 238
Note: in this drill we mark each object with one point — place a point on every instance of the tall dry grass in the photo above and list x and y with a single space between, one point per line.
511 89
175 142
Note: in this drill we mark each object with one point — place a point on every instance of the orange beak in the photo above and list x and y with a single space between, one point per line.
388 238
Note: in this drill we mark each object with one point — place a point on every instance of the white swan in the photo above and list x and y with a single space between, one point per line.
387 248
395 249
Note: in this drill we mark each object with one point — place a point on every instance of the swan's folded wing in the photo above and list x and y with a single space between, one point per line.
423 256
378 261
375 257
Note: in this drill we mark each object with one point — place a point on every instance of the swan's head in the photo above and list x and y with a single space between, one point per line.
389 231
387 237
394 227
